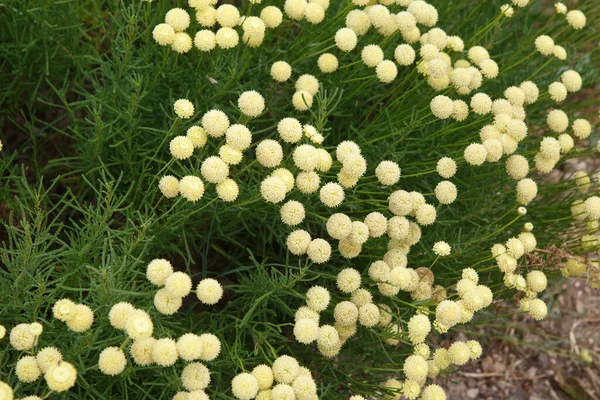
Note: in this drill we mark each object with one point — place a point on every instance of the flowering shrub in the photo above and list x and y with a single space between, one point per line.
292 199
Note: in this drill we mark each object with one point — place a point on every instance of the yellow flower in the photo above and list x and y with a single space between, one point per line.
178 18
61 376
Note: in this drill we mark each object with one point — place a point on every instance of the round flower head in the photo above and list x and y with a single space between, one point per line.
379 271
141 351
446 192
376 223
21 337
273 189
139 325
211 347
559 52
442 249
82 319
481 103
227 38
189 347
112 361
214 170
163 34
475 154
27 369
308 83
327 63
386 71
286 176
581 128
206 16
418 328
281 71
531 91
197 135
348 280
251 103
536 281
328 338
227 15
228 190
331 194
230 155
308 182
317 298
517 167
238 137
477 54
489 68
169 186
297 242
47 357
209 291
345 39
178 18
292 213
537 309
285 369
446 167
271 16
371 55
61 376
325 160
290 130
544 44
306 330
119 313
425 214
195 376
433 392
319 251
181 147
269 153
442 106
305 312
302 100
183 108
576 19
369 315
164 352
494 150
592 208
63 309
557 91
167 303
557 121
354 166
182 42
339 226
205 40
461 110
415 368
178 284
459 353
264 376
244 386
526 191
404 54
401 203
191 188
515 96
215 123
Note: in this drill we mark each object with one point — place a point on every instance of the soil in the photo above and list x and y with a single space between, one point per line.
557 358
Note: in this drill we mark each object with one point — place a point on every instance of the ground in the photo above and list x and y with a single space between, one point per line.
557 358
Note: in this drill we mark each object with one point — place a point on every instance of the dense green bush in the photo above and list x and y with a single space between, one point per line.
87 119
